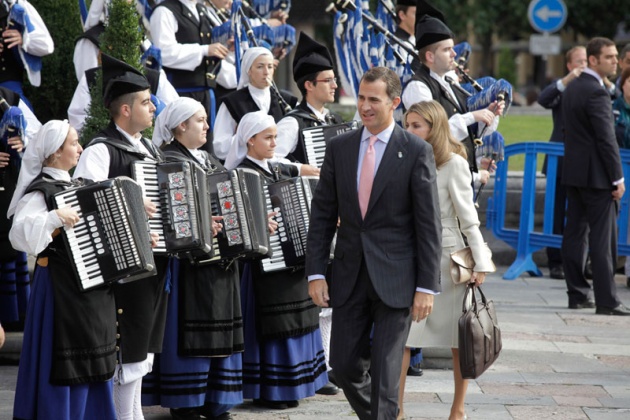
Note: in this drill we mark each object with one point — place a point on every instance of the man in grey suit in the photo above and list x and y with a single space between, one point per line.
386 267
593 177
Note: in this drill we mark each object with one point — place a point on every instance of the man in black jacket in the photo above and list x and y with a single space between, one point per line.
593 177
551 98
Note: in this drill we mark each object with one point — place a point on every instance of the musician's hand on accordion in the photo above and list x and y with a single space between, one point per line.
149 207
309 170
273 225
217 226
154 238
68 216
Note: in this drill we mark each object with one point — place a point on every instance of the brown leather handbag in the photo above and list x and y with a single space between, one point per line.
463 263
479 334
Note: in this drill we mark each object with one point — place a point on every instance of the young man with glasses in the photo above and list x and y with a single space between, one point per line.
314 75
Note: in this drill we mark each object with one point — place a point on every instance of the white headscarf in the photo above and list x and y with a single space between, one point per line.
47 141
173 115
250 55
251 124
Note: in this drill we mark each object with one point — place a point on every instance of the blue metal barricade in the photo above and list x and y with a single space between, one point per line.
526 240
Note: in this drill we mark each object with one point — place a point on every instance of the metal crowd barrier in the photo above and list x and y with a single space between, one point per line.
526 240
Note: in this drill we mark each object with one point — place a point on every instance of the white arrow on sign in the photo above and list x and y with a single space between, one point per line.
545 13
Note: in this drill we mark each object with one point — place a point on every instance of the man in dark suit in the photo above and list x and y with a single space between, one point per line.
594 181
551 98
387 256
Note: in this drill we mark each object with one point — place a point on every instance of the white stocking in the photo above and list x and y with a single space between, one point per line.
325 325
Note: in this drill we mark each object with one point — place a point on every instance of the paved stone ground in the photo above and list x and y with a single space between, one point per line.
556 363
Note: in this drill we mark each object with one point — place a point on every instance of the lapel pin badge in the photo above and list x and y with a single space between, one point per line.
399 155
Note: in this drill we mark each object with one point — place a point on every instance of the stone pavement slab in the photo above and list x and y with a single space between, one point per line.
556 363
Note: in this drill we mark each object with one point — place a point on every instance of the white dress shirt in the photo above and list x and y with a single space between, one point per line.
94 161
186 56
225 125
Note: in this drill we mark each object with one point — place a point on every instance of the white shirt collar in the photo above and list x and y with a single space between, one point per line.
135 141
592 72
262 97
57 173
320 115
262 163
383 136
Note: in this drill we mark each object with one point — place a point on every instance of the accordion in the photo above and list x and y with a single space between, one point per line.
111 240
238 197
182 219
315 139
291 199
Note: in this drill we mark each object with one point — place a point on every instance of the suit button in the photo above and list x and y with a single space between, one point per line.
117 348
116 323
120 311
189 14
201 34
209 34
117 336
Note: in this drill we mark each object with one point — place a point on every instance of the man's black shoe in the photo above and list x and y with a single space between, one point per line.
586 304
328 389
185 414
556 272
274 405
619 310
414 371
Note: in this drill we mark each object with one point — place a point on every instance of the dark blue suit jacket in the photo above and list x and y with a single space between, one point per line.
400 237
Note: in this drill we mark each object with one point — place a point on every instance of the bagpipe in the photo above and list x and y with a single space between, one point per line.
363 41
492 148
12 124
254 42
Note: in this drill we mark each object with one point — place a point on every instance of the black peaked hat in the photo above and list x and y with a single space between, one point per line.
425 8
310 57
430 25
406 2
120 78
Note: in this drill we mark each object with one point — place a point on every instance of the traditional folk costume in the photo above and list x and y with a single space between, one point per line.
69 348
246 99
284 358
201 361
182 30
141 304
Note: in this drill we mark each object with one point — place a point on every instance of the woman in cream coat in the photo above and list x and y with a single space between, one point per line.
428 120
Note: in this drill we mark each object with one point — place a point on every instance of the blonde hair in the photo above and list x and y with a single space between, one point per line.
440 137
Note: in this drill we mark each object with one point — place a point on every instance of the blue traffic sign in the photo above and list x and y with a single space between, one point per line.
547 15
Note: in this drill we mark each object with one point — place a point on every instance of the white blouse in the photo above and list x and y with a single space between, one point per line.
33 223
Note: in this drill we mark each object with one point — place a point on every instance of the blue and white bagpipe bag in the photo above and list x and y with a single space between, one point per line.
358 47
266 7
20 20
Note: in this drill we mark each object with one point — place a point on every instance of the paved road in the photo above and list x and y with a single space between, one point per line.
556 363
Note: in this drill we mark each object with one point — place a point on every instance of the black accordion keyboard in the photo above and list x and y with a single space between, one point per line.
182 220
111 240
238 197
291 199
315 139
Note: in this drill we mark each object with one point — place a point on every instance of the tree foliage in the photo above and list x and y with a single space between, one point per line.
121 39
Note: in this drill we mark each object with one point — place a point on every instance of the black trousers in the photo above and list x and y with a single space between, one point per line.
591 219
372 395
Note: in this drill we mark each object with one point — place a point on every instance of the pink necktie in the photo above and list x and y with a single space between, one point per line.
366 179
